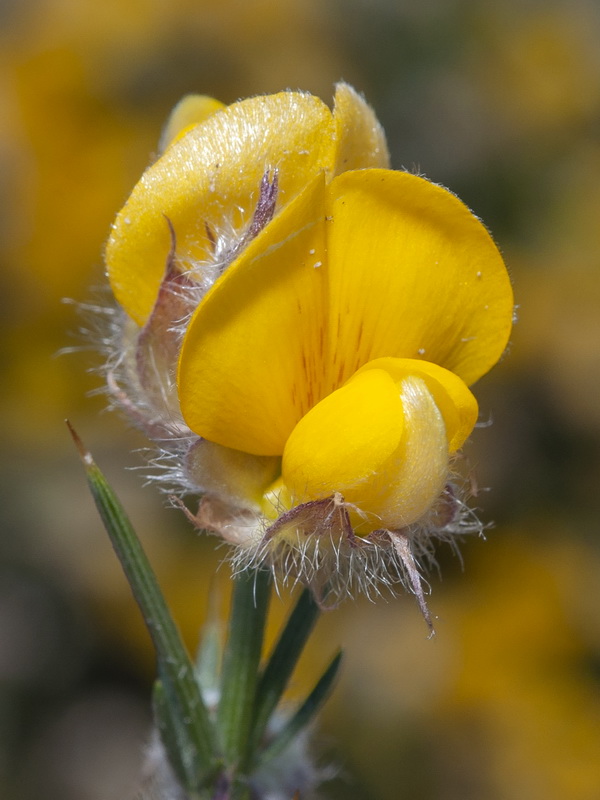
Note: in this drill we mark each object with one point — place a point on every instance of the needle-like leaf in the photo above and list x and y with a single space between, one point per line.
304 714
187 719
282 662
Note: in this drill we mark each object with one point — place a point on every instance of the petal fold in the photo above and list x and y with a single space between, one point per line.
251 361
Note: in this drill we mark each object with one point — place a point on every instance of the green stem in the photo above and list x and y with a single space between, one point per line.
240 666
282 662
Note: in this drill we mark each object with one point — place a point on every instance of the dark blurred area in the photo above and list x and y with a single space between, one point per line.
498 100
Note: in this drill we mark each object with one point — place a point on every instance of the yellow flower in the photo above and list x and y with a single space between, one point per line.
207 182
327 315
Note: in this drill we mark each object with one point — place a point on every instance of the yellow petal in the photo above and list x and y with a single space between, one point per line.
452 397
414 478
236 478
275 336
344 441
250 365
360 138
211 178
412 274
190 110
381 445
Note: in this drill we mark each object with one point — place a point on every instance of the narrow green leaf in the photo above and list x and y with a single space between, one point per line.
175 667
282 662
240 663
173 735
208 659
304 714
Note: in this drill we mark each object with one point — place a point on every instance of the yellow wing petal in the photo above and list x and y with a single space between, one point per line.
360 138
238 479
190 110
211 177
250 363
413 274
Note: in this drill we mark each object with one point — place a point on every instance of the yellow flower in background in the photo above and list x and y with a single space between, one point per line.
301 327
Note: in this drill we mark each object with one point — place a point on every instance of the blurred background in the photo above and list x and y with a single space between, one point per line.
498 100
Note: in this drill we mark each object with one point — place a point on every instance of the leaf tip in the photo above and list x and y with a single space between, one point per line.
85 455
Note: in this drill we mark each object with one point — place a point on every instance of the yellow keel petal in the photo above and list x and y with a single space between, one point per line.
381 445
414 478
344 441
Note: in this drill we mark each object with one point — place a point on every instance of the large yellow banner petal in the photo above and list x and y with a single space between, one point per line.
412 274
250 366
